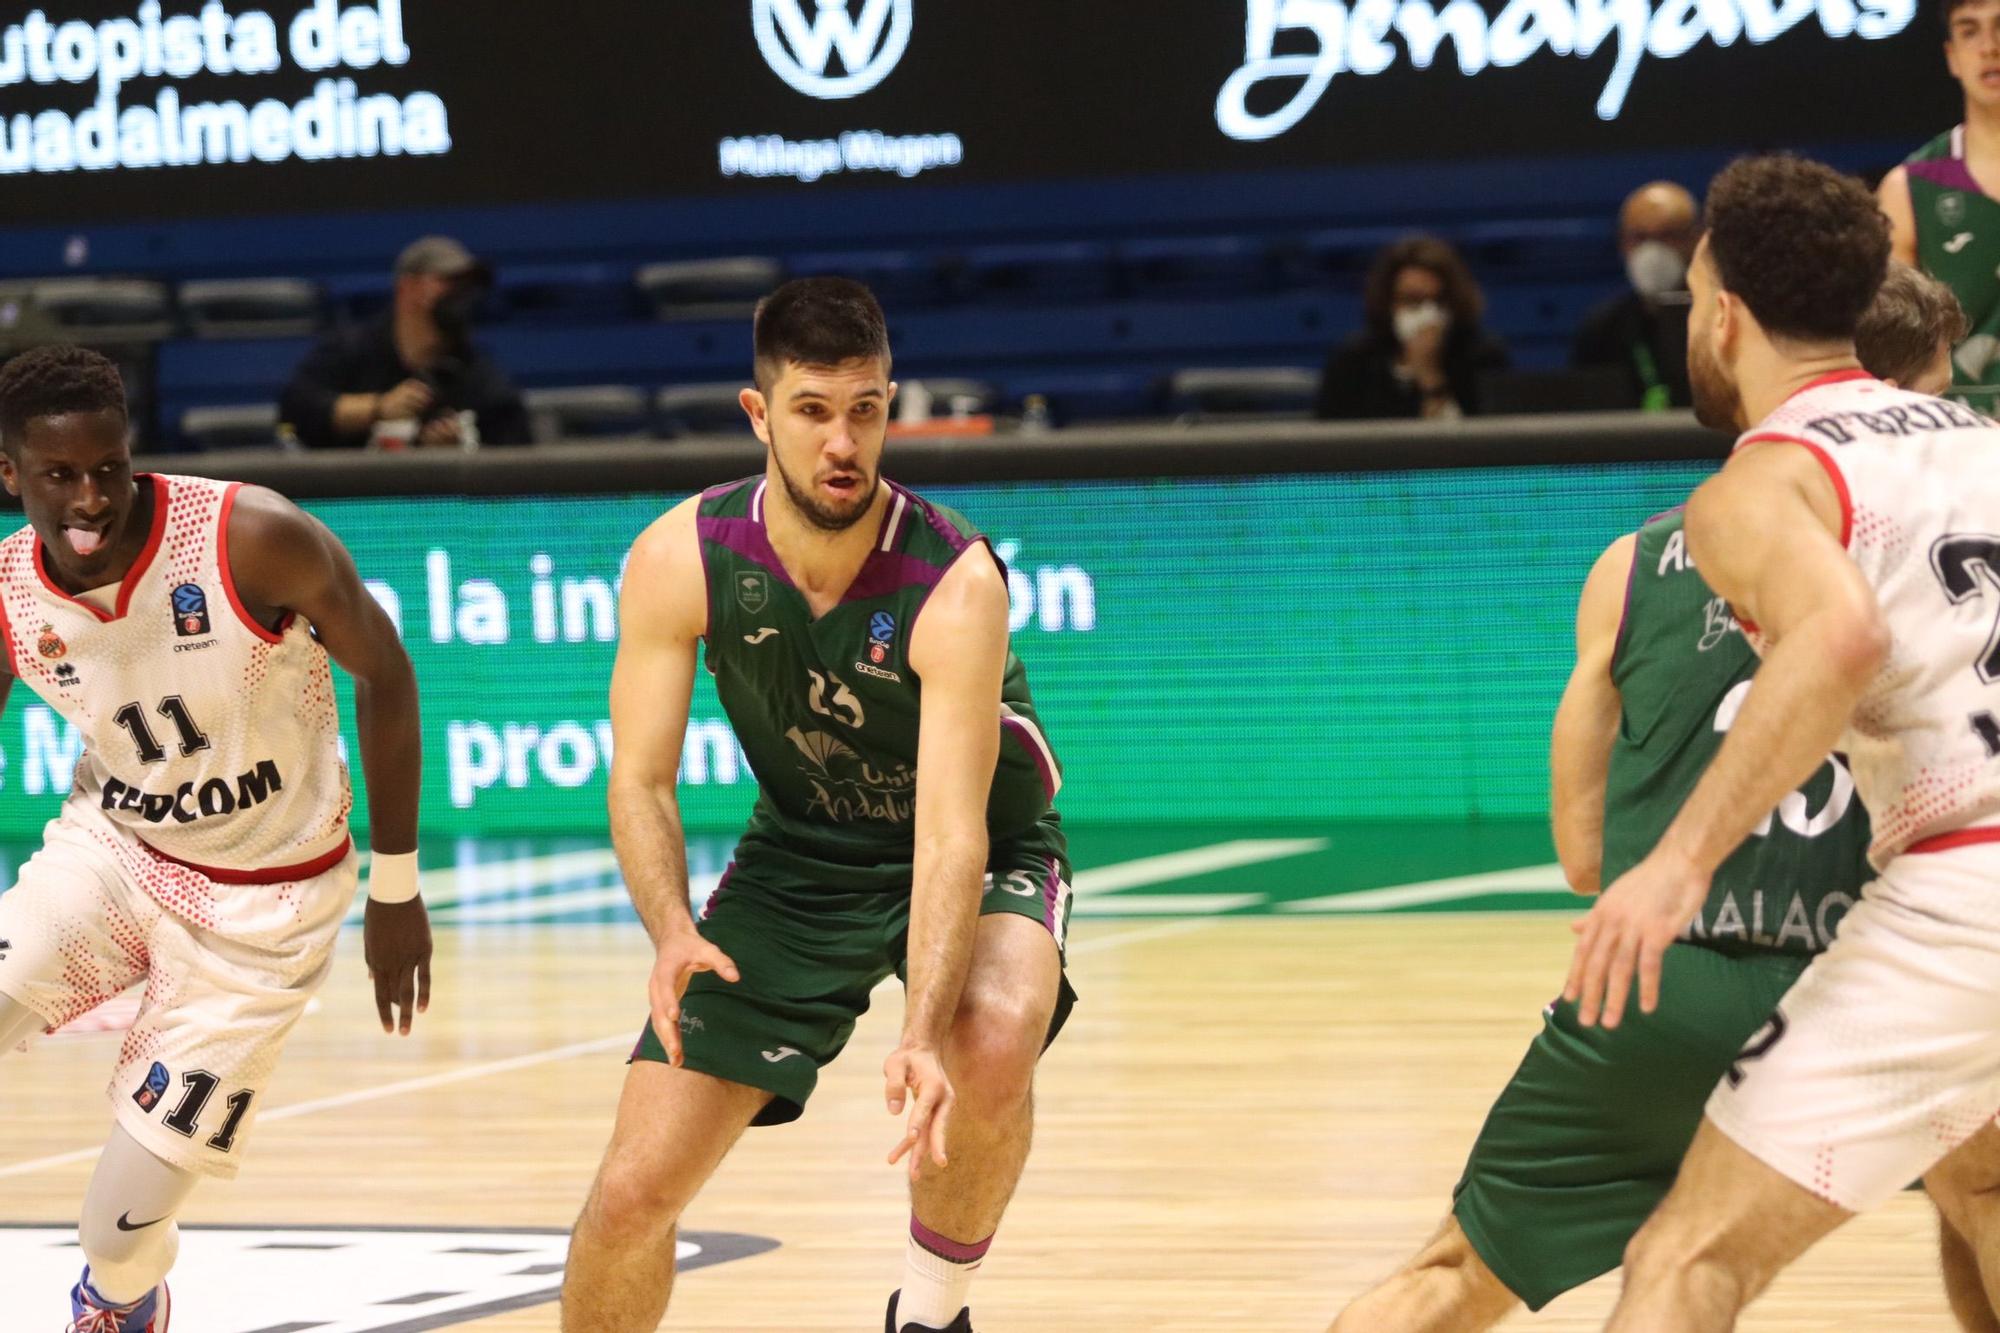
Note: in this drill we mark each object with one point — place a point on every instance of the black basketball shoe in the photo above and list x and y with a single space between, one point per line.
962 1324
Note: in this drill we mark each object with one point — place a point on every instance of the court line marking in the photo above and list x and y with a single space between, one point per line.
1520 880
460 890
1194 861
468 1073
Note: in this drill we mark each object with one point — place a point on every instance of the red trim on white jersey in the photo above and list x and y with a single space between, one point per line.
1944 842
229 575
1833 473
139 563
1831 377
319 865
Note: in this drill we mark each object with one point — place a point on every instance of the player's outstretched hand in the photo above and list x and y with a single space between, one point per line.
396 941
915 1073
1626 934
682 954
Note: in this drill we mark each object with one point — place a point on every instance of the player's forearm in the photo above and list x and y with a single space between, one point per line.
392 754
944 917
1797 708
1579 763
652 853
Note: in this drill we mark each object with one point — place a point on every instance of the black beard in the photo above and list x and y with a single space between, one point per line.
817 514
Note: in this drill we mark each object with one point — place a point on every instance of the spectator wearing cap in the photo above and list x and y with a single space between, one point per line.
1422 347
413 377
1643 329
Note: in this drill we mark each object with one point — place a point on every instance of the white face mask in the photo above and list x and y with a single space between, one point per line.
1655 269
1412 320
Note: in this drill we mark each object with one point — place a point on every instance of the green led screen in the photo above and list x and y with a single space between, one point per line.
1383 645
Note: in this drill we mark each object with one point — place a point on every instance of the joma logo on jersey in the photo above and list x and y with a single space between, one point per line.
187 803
190 610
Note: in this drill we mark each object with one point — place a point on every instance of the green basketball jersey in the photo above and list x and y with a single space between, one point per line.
827 709
1682 667
1958 242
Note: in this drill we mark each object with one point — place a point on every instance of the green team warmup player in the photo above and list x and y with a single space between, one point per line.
1943 203
1586 1139
857 634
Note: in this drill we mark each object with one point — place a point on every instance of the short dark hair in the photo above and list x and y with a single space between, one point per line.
1900 332
49 381
817 322
1802 245
1378 291
1946 8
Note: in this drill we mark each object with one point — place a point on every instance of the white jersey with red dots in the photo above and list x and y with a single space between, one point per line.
1919 486
210 739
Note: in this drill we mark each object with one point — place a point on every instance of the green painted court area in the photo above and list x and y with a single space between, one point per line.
1174 870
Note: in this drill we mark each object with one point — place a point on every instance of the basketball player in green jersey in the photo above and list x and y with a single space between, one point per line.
1587 1137
1943 203
857 634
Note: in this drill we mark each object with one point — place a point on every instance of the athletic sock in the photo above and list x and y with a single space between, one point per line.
937 1274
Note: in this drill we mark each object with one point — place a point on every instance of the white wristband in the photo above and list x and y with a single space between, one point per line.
392 878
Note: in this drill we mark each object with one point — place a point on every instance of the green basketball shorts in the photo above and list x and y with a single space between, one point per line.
1586 1138
810 954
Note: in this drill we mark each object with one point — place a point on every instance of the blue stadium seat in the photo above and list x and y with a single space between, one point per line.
900 279
1184 266
1039 271
564 293
587 411
699 409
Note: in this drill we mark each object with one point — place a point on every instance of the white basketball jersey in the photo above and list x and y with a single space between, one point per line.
211 739
1919 483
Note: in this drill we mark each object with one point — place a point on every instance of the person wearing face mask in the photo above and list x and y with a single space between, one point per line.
414 378
1421 349
1644 328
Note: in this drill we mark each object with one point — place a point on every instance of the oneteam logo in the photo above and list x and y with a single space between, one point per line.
801 50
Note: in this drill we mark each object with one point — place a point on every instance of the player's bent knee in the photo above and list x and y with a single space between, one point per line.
996 1043
628 1201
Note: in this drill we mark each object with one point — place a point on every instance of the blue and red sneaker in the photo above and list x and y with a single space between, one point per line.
91 1313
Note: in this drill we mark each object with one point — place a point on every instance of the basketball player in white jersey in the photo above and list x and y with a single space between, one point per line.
1856 531
184 626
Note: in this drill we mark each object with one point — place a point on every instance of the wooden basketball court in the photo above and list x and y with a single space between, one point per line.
1249 1119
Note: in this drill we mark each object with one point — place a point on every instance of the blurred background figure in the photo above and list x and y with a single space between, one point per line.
1942 217
1907 335
1422 347
414 377
1643 329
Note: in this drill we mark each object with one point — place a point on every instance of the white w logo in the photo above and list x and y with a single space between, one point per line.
869 46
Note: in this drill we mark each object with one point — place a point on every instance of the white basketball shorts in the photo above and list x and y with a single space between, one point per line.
223 990
1886 1054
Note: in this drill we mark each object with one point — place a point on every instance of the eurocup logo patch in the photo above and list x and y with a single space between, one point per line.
881 632
190 610
802 51
155 1087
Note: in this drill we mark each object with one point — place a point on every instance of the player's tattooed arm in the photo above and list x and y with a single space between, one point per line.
662 615
1587 722
1894 196
284 561
958 648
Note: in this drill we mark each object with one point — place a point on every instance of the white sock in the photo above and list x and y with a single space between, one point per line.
937 1275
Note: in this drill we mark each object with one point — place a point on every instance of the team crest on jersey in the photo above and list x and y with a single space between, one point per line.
155 1087
1951 208
753 590
190 610
50 644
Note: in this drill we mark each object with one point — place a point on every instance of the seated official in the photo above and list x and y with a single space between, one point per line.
413 378
1643 330
1422 348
